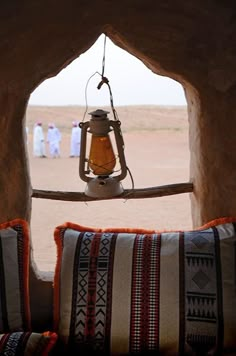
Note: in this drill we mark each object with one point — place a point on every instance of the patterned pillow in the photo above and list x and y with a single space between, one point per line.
27 343
123 291
14 276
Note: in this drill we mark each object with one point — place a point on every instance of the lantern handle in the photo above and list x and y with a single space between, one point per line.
120 148
84 127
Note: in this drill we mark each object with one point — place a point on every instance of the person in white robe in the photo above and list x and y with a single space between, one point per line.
38 141
75 140
54 139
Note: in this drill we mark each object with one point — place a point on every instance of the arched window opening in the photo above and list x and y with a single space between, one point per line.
153 114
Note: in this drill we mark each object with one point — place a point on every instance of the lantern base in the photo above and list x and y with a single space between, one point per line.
103 187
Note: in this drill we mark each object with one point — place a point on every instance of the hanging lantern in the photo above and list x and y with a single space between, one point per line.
100 162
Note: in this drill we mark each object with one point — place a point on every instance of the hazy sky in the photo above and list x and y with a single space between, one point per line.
132 83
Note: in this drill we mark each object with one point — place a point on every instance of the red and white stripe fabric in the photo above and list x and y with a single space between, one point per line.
129 291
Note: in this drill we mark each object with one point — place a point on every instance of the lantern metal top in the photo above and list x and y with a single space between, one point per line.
99 113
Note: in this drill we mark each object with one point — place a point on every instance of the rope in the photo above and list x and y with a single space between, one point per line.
104 80
104 55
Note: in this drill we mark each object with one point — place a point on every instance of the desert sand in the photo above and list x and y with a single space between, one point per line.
157 153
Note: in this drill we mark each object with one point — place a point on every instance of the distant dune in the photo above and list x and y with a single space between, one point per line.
133 118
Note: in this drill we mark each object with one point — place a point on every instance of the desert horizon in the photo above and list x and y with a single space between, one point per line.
157 153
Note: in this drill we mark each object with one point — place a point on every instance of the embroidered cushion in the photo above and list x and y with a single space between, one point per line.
27 343
14 276
123 291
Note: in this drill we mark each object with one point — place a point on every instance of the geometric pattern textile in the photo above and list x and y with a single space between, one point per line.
133 291
14 276
27 343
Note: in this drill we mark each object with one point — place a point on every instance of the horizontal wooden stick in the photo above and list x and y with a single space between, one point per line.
142 193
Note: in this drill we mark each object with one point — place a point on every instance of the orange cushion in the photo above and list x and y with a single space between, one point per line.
27 343
14 276
134 291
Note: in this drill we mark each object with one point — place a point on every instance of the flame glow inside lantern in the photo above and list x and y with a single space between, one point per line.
102 161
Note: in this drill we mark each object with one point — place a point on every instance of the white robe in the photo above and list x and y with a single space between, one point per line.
54 138
38 142
75 141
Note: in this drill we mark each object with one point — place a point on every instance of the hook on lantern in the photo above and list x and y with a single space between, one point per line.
100 162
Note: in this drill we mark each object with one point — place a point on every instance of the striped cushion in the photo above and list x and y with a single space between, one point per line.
122 291
27 343
14 276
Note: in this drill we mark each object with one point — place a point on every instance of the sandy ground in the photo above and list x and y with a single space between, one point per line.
156 154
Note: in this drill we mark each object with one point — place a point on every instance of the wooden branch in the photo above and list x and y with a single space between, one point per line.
141 193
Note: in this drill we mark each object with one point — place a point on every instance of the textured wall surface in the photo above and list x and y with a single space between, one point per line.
189 41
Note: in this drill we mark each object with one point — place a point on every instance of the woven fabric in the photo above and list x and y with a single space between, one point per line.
14 276
125 291
27 343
